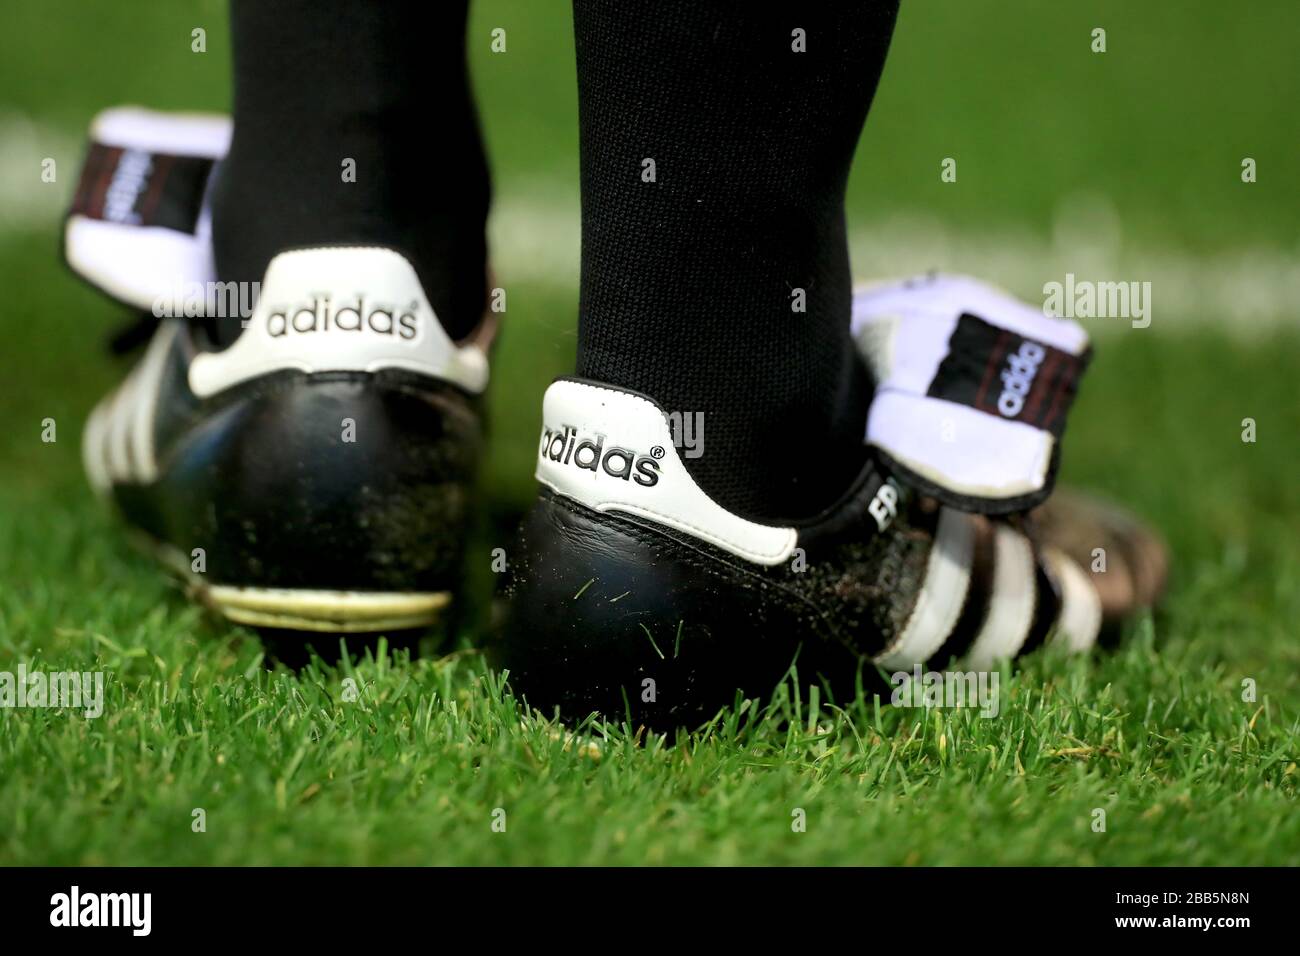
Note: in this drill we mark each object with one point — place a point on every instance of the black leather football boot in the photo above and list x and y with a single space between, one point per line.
633 593
315 474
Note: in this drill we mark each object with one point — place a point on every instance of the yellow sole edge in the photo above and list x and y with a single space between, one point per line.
303 609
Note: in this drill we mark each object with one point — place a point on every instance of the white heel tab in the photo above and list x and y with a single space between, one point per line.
346 308
613 451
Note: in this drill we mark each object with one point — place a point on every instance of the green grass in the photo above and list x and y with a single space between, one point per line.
288 770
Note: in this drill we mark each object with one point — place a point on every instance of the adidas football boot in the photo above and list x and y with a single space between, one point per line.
633 593
316 473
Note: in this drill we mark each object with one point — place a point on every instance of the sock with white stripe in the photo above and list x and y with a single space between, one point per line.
694 273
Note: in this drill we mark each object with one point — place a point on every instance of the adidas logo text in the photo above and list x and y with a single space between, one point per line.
1018 378
129 181
590 453
321 316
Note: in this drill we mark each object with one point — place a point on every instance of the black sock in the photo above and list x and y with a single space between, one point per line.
688 282
385 84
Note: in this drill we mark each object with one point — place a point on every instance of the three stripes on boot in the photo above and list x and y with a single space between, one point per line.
990 594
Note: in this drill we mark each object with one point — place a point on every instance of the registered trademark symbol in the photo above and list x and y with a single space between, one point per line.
657 451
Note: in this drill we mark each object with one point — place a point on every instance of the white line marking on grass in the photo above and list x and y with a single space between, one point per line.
1249 291
535 233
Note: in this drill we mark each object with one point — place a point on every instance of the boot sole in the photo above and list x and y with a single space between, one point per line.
303 609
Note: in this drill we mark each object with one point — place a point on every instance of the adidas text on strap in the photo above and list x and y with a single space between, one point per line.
139 227
972 389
